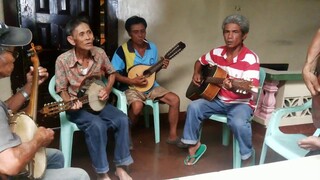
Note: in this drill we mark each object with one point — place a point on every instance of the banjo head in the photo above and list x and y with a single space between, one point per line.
25 128
92 92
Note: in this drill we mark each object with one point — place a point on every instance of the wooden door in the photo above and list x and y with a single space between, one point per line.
46 19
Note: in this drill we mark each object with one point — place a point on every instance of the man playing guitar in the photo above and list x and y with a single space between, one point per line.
239 62
139 51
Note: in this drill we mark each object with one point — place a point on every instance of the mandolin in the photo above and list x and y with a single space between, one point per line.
149 72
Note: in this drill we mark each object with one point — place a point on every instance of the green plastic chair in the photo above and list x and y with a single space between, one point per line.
156 117
284 144
67 128
226 131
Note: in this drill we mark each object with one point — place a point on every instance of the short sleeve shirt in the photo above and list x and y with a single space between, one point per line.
68 72
7 138
122 63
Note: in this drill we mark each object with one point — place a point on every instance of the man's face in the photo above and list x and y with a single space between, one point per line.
6 62
233 36
82 37
138 33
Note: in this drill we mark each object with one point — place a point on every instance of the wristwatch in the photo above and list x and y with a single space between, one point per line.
24 94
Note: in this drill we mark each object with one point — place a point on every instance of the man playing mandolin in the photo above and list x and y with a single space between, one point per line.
73 67
139 51
238 62
15 154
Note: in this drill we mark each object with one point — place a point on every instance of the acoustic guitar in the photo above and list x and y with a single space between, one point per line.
212 82
88 94
149 72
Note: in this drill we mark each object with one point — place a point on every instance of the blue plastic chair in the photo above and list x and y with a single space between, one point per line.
226 131
284 144
67 128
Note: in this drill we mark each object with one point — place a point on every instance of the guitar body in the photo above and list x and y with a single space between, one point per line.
140 70
206 90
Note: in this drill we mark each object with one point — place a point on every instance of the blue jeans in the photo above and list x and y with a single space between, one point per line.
238 120
95 128
55 170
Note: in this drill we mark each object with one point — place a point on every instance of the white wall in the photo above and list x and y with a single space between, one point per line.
5 85
280 31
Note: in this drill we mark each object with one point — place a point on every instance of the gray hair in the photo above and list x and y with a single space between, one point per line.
242 21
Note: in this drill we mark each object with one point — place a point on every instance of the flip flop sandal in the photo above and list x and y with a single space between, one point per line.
200 151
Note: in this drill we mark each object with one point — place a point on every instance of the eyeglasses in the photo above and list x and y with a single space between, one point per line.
14 53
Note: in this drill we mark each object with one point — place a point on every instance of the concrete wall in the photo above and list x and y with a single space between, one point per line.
280 31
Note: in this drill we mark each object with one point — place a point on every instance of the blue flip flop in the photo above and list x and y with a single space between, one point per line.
193 159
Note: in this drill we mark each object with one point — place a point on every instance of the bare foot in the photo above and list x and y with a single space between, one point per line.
122 174
103 176
192 151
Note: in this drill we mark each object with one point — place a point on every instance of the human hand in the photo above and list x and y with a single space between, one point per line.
103 94
44 136
311 82
43 74
310 143
139 81
227 83
76 104
165 63
197 79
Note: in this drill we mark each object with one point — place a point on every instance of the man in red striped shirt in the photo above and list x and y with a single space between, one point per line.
238 62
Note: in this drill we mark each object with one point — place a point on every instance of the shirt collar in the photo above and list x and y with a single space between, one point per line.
74 60
130 46
238 57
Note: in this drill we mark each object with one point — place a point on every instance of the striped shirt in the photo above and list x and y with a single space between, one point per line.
244 66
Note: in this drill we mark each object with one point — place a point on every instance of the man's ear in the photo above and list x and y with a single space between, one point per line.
244 36
71 40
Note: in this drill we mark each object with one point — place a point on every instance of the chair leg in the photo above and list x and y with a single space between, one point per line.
156 122
225 134
263 153
66 141
146 116
236 154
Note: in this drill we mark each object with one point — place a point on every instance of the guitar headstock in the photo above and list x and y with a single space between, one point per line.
242 86
175 50
54 108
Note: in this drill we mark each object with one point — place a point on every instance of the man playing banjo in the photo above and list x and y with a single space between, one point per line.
15 154
72 68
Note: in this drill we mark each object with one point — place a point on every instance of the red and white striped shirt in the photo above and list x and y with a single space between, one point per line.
244 66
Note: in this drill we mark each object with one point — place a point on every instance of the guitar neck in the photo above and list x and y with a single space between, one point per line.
214 80
84 100
169 55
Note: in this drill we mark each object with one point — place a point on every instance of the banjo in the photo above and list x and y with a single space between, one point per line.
24 124
88 94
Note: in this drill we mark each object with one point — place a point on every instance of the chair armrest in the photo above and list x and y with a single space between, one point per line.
122 100
277 115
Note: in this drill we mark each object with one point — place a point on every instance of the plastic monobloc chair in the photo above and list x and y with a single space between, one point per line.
67 128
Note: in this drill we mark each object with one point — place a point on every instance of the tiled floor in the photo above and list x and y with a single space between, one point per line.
162 161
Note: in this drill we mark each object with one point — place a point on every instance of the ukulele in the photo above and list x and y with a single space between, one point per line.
149 72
